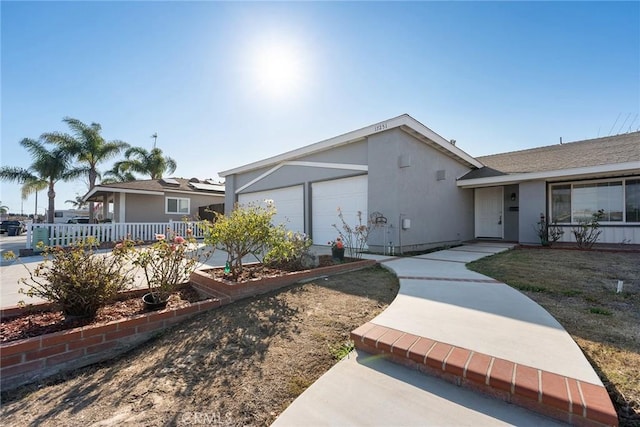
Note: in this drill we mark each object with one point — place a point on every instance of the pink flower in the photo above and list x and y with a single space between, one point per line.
160 237
179 240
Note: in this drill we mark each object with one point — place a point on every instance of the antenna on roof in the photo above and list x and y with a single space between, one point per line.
614 124
632 122
623 123
155 138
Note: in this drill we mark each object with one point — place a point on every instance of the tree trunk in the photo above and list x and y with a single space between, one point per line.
52 203
92 183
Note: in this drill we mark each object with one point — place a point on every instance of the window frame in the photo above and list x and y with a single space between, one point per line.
178 200
571 185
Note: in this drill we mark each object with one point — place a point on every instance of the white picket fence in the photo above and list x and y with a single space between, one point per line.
67 234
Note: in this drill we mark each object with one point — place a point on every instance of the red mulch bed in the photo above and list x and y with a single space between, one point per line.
46 322
259 271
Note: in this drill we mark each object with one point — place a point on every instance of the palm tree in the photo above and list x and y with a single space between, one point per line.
33 186
88 146
117 174
78 203
153 163
3 209
48 165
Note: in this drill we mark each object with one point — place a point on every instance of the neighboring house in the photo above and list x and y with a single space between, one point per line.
157 200
423 191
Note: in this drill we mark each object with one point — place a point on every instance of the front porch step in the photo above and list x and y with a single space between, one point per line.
566 399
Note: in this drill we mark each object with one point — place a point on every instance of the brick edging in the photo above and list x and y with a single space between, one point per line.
567 399
32 359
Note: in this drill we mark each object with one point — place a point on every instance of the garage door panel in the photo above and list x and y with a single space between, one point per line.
348 194
289 203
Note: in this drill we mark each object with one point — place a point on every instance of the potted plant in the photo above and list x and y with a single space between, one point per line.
167 263
337 249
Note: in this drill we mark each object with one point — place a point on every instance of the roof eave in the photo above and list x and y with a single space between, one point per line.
554 175
404 120
99 189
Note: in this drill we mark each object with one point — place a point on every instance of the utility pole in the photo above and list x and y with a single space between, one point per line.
155 138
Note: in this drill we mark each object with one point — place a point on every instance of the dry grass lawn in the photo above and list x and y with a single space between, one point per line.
579 289
239 365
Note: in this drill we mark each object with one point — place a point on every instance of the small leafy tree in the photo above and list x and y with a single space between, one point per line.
354 237
78 279
246 231
588 231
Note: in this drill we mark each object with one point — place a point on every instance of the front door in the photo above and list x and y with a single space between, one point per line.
488 212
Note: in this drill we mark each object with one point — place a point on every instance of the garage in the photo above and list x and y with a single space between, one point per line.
289 204
348 194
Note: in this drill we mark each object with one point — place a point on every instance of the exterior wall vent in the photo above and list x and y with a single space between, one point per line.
441 175
404 161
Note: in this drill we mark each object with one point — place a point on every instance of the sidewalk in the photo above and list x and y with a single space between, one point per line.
465 328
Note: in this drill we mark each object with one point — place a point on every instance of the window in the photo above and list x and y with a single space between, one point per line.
588 199
175 205
561 203
632 197
619 201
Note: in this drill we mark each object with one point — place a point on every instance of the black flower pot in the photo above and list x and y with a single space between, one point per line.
337 253
152 302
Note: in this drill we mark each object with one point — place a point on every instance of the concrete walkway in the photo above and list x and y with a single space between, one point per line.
444 308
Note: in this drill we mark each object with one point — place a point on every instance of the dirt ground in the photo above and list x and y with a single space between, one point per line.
242 364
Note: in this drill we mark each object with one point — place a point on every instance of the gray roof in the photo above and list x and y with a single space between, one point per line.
161 185
592 152
158 186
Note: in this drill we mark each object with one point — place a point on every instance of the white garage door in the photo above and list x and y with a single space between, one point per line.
348 194
289 204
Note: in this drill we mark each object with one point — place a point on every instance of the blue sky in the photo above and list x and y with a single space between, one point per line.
495 76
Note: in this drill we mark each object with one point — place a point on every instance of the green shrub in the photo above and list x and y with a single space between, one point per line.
246 231
169 262
287 249
78 279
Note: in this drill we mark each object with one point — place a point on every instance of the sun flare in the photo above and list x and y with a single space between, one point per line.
278 70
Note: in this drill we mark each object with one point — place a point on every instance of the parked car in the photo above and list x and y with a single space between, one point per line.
6 225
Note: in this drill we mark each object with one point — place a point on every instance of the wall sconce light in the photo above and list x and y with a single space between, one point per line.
513 197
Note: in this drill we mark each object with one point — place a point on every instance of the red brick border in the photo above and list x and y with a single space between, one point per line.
32 359
567 399
230 291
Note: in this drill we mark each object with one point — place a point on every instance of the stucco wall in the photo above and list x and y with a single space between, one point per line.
403 183
355 153
532 203
149 208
